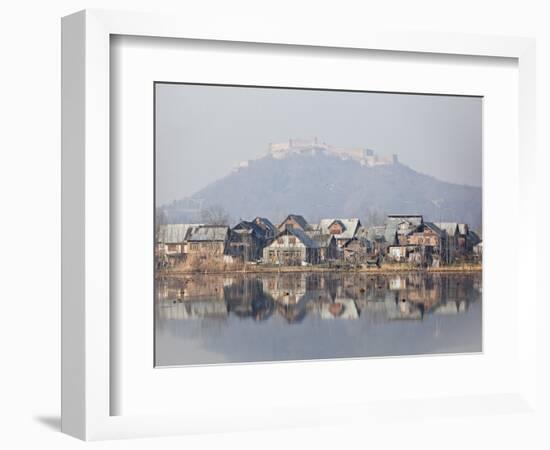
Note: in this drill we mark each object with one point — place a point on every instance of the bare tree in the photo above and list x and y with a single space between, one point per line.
215 215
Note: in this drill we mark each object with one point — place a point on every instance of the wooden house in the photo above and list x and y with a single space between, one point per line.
246 241
452 231
376 236
343 230
328 248
269 230
397 253
430 243
292 246
207 240
295 222
357 250
172 238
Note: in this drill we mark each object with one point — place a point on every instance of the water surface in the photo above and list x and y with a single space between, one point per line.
206 319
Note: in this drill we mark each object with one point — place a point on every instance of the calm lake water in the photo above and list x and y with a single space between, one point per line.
205 319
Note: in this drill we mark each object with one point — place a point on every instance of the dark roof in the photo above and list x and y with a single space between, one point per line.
473 237
249 227
264 223
301 235
298 219
432 226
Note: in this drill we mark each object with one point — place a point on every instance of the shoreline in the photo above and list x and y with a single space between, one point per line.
466 268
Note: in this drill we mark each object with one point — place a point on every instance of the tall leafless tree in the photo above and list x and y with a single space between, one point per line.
215 215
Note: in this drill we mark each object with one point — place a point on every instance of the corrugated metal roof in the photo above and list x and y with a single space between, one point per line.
350 227
208 233
175 232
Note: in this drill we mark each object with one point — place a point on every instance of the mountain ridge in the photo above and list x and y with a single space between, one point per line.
320 186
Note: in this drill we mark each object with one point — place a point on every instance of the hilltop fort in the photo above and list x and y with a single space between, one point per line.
312 147
365 156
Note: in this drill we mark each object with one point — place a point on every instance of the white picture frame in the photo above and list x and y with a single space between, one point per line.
87 328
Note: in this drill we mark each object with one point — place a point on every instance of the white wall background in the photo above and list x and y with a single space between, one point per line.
30 190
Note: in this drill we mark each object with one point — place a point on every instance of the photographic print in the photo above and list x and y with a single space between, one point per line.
300 224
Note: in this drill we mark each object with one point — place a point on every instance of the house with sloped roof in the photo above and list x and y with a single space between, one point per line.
376 236
291 247
246 241
461 238
430 243
294 221
328 248
172 238
267 226
343 230
399 226
207 240
452 230
357 250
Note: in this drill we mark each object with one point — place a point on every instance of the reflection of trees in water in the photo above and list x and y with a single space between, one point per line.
327 295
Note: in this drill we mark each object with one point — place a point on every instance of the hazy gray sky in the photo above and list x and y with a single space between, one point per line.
203 131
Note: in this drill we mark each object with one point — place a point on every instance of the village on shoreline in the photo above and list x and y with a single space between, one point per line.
404 243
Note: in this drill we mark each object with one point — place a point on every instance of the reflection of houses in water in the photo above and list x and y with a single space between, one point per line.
401 309
194 309
451 308
245 297
341 308
398 282
292 313
295 296
192 288
286 289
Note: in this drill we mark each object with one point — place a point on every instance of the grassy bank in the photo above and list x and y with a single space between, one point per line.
384 269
